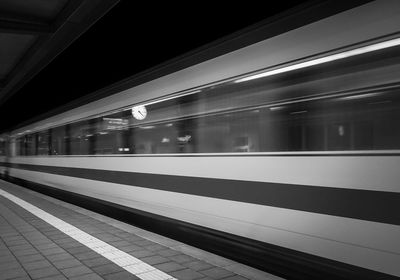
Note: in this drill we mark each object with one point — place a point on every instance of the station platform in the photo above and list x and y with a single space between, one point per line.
45 238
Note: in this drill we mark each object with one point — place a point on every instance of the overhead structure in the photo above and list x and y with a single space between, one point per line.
34 32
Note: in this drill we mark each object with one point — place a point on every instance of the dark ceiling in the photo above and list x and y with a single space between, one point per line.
126 41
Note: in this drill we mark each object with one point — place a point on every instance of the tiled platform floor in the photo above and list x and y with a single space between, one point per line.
31 248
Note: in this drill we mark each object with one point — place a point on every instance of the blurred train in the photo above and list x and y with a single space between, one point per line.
283 154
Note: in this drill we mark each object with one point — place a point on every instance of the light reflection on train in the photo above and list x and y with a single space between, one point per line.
294 112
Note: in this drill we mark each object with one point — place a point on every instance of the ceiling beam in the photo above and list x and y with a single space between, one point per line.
23 25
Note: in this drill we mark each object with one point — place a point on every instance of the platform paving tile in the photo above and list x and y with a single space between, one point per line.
198 265
61 264
64 240
9 265
59 257
142 253
41 264
14 248
107 269
123 234
41 273
217 273
90 276
5 238
95 262
25 252
120 243
106 237
54 277
169 266
235 277
31 258
131 248
45 246
69 245
186 274
16 242
52 251
6 230
134 238
155 247
21 278
36 241
76 271
50 232
86 255
79 250
181 258
143 243
154 260
6 257
168 253
12 273
93 231
124 275
57 236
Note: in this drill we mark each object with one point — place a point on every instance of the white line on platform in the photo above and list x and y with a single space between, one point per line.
129 263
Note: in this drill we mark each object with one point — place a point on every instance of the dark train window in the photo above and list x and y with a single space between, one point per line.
339 136
30 143
20 146
3 146
59 141
315 137
111 135
44 143
81 138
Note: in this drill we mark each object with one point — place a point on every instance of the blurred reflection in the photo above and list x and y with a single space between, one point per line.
351 104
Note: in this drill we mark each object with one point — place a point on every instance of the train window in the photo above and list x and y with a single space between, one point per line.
339 136
19 146
59 141
315 137
44 143
30 143
2 146
363 134
82 138
111 134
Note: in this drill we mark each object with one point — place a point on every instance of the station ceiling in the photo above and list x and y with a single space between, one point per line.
34 32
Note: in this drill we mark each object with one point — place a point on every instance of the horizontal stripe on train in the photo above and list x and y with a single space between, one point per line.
376 206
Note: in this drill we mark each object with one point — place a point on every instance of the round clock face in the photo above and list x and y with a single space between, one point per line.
139 112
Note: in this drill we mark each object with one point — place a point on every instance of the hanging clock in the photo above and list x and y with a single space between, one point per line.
139 112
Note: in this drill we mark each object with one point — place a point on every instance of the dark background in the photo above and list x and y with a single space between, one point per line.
129 39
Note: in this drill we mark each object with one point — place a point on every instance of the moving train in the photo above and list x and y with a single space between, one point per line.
283 154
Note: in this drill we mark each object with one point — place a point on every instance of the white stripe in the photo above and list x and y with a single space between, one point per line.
120 258
321 60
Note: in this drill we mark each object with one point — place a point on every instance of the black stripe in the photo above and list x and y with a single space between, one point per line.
284 262
377 206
